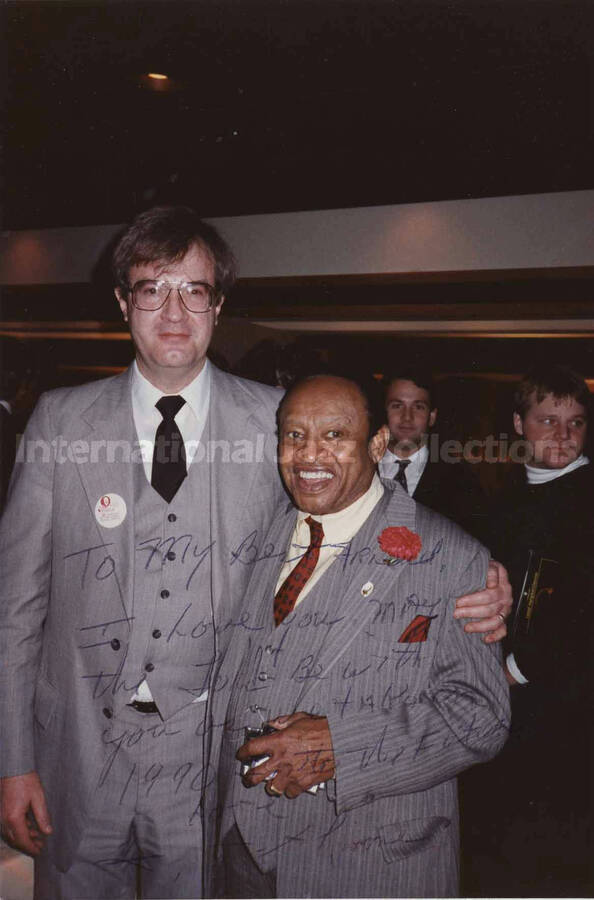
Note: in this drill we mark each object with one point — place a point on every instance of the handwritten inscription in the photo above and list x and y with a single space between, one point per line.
380 686
188 549
249 552
100 563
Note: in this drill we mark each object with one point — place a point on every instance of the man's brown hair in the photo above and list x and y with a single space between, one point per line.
164 234
560 381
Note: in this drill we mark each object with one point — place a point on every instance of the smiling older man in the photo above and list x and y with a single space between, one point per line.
373 696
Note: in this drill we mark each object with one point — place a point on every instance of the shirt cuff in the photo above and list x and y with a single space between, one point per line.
512 666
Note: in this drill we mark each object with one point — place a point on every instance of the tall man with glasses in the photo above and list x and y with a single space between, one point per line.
117 544
131 526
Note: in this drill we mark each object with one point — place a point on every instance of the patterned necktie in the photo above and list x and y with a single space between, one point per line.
288 592
169 455
400 475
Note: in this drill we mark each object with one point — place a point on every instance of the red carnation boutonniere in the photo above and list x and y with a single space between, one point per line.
400 543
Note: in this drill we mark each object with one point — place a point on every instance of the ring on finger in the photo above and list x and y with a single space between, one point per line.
502 617
271 790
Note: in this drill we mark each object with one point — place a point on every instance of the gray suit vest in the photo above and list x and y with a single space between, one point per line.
171 642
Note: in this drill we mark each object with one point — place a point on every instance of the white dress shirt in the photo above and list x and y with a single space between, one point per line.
339 529
388 467
190 420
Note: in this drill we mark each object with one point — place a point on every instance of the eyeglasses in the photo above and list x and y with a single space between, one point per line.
196 296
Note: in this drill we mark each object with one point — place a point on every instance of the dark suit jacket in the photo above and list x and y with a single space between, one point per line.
539 791
453 490
555 520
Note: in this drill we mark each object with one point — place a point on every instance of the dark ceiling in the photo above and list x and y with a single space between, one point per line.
290 104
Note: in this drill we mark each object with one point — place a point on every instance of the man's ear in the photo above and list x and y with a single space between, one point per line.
518 424
379 443
432 417
122 302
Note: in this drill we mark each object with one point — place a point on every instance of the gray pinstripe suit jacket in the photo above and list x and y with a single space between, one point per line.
405 718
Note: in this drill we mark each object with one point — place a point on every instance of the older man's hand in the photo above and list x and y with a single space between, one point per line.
490 607
300 755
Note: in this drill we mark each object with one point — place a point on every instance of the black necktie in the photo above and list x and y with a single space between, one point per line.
400 475
169 455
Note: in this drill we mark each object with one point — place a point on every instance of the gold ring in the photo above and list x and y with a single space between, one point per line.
271 790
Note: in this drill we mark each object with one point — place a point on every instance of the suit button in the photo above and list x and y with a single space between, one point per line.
262 676
149 667
156 633
107 712
171 555
115 644
164 594
172 517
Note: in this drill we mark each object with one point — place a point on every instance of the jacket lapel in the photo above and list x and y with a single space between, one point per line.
361 577
108 426
233 421
266 566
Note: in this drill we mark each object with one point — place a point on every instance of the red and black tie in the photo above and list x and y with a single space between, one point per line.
288 592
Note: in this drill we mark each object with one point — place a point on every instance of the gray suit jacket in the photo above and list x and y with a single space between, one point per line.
405 717
61 571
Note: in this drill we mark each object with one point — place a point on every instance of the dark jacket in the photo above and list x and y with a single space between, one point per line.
453 490
528 813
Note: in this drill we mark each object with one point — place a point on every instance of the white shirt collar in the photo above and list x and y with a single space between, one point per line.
417 461
191 419
339 527
196 393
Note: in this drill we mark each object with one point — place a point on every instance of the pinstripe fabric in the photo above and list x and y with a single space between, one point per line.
404 718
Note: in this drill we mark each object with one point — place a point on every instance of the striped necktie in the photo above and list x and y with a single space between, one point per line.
288 592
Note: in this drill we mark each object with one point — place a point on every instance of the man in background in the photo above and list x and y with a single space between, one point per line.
446 486
537 839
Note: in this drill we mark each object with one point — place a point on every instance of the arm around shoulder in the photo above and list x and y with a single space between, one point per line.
459 717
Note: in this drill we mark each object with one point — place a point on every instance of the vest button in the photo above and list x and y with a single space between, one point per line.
107 712
172 517
115 644
164 594
149 667
262 676
171 555
156 633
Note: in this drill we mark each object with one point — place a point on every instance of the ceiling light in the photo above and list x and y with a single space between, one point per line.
157 76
